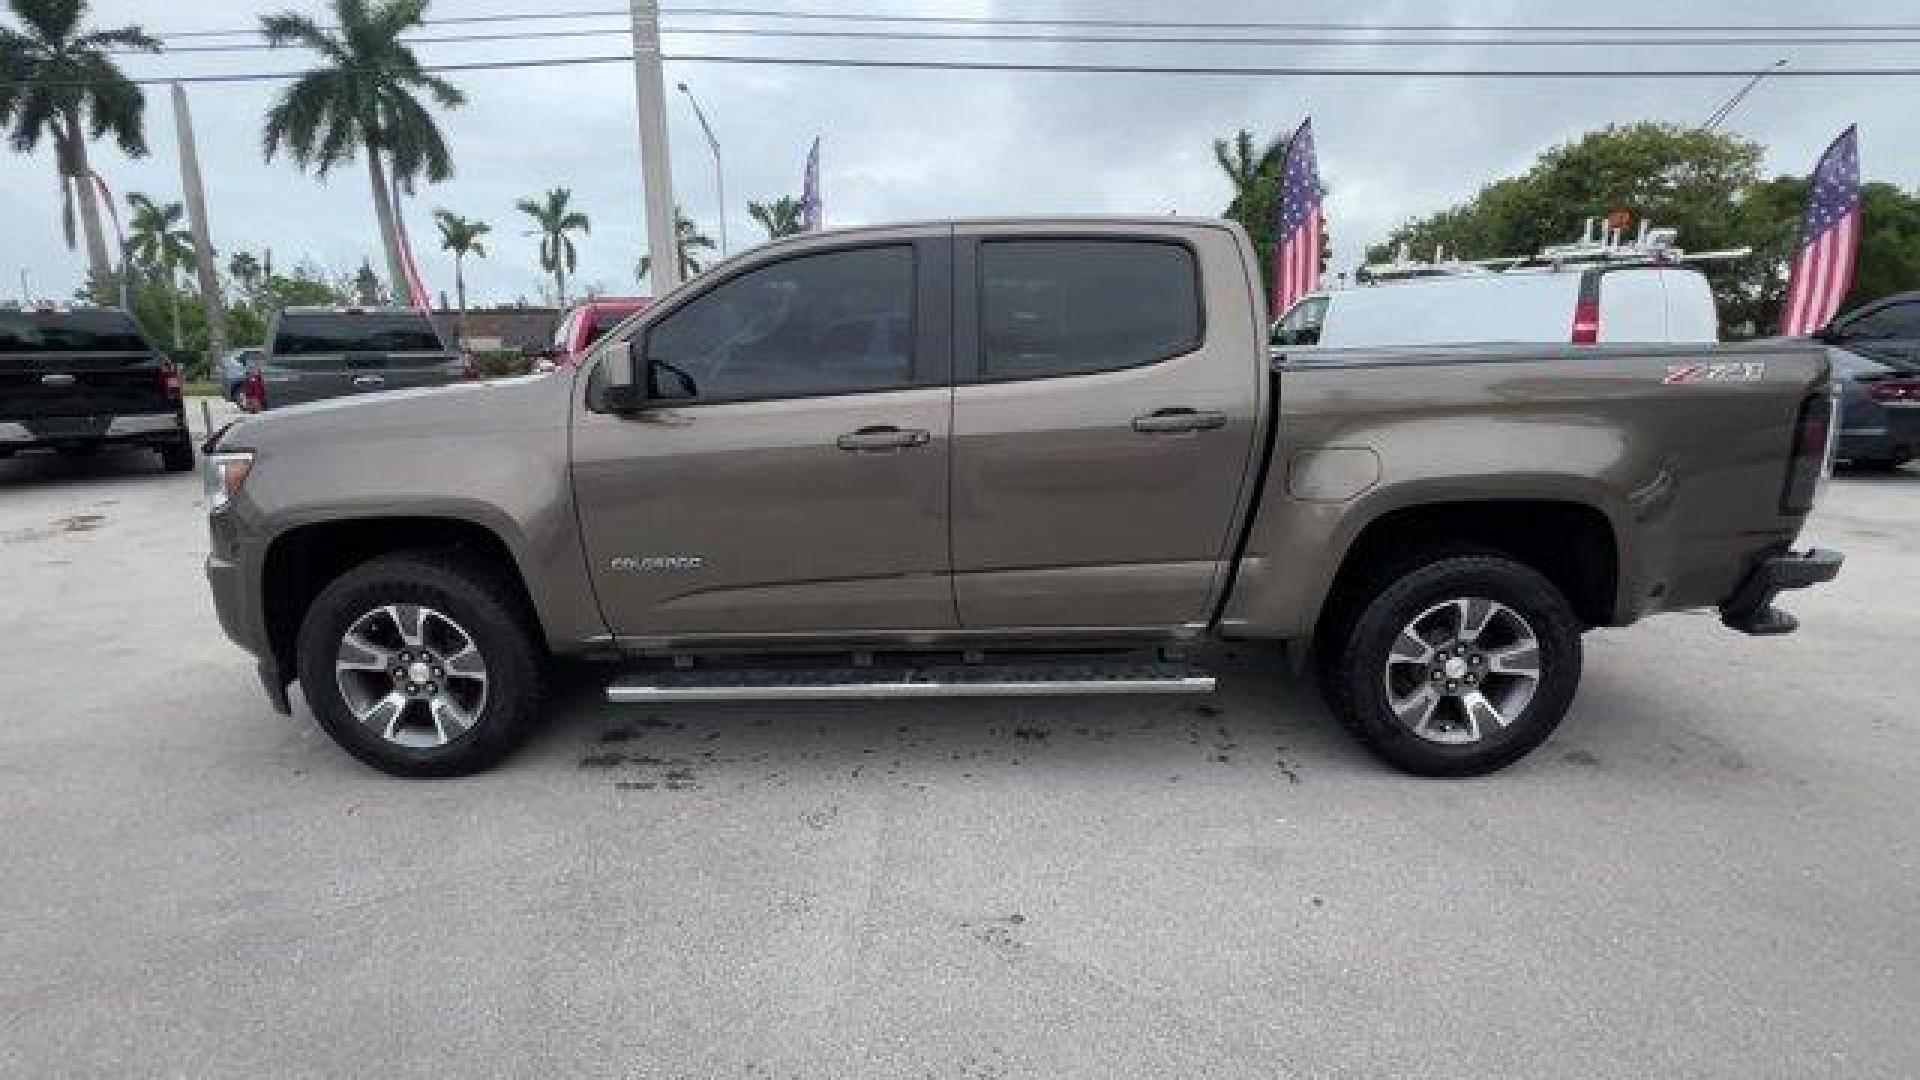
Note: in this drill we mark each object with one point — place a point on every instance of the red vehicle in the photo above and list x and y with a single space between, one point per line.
586 323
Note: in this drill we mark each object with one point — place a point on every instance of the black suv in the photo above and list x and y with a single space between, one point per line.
78 379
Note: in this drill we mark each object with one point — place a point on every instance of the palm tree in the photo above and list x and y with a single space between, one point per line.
462 237
687 239
59 83
553 220
781 217
160 245
246 271
364 96
1255 177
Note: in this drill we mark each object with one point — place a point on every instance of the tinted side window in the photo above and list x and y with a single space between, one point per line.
1302 325
838 322
1068 307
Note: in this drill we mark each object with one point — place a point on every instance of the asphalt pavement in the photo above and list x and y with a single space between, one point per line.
1713 869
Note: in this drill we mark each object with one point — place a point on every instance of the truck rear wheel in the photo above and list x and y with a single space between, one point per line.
1458 665
415 664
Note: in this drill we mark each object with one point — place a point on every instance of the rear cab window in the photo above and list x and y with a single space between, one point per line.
1052 307
322 338
25 335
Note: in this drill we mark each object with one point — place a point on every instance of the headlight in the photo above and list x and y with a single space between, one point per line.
222 475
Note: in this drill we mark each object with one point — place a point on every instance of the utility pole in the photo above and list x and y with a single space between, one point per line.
656 176
719 174
202 240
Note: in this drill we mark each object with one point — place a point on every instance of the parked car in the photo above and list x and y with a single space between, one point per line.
233 372
77 379
1887 331
315 353
1879 411
586 323
1594 305
990 458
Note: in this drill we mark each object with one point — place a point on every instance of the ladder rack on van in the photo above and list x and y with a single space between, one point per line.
1600 243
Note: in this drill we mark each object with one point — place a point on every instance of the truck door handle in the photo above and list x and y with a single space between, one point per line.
882 437
369 380
1175 420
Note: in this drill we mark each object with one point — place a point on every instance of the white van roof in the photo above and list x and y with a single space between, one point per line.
1648 304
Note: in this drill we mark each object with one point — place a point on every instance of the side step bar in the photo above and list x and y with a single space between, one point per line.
855 684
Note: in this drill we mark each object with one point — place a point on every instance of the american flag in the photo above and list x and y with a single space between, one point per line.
1296 252
810 190
1829 239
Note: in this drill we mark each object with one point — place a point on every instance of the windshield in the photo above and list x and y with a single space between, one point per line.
69 332
304 333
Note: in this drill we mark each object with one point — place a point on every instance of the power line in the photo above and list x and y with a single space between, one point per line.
1084 39
1152 24
1530 74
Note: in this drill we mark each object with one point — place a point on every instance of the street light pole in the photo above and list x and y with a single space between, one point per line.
656 177
719 173
1725 110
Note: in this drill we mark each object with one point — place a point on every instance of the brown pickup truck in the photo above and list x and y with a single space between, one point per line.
1032 457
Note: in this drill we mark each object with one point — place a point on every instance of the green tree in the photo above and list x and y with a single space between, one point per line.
688 240
1704 184
365 96
159 244
554 218
1768 219
59 83
246 272
780 217
1674 176
1254 173
462 237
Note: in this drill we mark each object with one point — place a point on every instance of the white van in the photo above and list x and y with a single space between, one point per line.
1646 304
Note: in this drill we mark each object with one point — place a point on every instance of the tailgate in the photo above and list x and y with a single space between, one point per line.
80 384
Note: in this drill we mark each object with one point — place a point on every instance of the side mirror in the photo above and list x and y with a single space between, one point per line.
626 378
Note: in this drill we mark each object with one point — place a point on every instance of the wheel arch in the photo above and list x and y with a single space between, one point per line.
302 560
1572 543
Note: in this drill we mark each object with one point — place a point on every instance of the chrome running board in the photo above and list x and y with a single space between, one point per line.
959 681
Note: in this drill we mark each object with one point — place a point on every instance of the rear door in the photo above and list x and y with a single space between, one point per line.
796 483
1103 424
71 371
328 354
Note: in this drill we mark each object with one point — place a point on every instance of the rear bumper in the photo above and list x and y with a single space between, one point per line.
1750 609
1896 440
145 428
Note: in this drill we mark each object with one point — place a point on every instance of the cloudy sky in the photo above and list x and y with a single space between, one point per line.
915 144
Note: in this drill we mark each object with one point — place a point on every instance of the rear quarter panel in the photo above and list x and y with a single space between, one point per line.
1688 473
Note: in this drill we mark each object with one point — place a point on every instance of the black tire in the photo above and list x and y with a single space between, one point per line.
474 594
177 457
1360 638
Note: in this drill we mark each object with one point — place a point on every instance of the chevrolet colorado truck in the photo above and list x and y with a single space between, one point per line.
1020 457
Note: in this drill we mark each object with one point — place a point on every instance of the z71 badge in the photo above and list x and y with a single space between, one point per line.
1741 371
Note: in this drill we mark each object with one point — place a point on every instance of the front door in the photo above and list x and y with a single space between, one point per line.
1103 428
790 479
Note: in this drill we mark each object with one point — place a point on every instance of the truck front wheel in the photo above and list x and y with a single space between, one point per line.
415 664
1454 666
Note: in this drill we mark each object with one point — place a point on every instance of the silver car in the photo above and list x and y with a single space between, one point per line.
314 353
